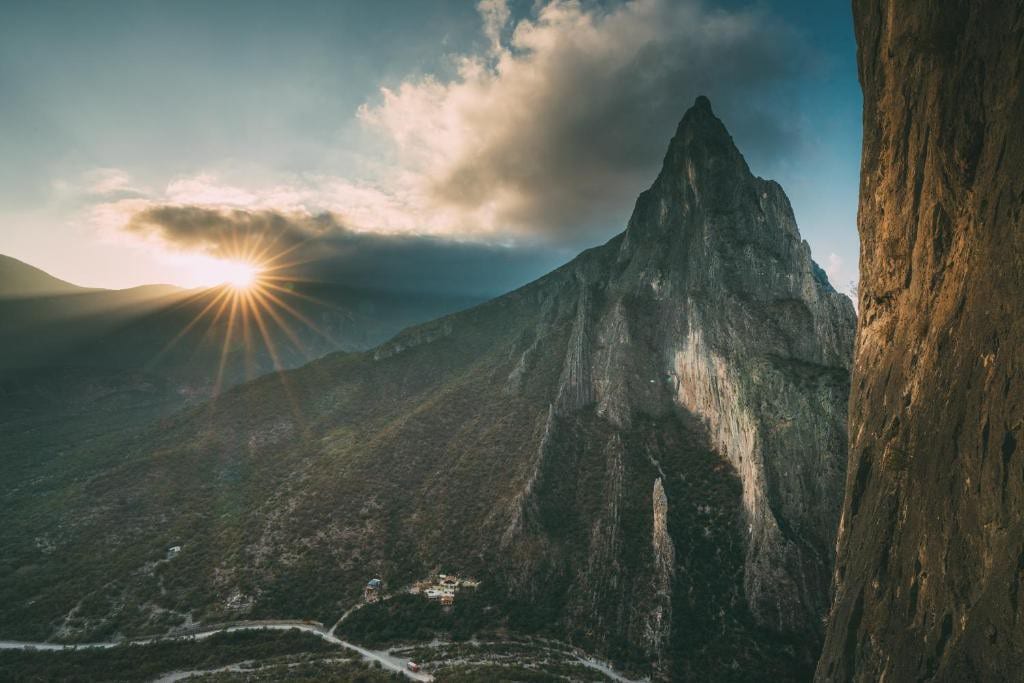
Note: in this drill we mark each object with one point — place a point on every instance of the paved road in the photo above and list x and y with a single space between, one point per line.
611 673
24 645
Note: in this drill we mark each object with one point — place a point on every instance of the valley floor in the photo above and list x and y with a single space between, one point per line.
440 660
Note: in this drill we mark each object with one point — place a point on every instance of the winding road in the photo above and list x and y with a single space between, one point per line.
385 659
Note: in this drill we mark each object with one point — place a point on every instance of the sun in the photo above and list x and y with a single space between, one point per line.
239 276
250 300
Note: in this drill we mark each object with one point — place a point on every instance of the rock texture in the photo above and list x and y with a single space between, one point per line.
931 546
711 303
645 448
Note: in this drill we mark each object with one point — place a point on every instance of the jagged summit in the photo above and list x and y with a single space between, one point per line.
702 103
701 121
709 211
702 143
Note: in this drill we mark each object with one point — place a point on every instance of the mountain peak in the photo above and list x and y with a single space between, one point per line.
702 104
702 156
701 136
700 119
702 170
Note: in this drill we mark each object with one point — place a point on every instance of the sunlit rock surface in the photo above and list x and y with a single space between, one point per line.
931 547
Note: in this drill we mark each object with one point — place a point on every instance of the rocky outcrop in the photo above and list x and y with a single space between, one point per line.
710 306
660 617
931 546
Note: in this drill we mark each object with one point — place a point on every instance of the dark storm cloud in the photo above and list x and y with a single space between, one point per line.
223 232
322 249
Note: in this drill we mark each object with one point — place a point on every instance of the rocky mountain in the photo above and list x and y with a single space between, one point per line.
642 452
931 546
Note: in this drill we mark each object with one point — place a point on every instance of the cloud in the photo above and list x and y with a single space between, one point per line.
537 146
834 267
206 189
321 248
227 233
495 15
106 181
551 134
102 184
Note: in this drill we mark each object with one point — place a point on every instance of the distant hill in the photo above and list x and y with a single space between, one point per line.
19 279
190 337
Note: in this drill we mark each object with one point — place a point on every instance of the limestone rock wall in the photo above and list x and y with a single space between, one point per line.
931 547
709 306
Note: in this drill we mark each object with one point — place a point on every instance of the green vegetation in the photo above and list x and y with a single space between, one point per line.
527 647
484 673
54 441
316 671
288 493
524 659
143 662
89 523
410 618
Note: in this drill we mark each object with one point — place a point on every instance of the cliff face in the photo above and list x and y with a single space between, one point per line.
643 449
710 303
931 544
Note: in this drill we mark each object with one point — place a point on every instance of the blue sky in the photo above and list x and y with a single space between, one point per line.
526 126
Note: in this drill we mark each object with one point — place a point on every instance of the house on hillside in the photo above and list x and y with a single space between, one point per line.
374 591
442 588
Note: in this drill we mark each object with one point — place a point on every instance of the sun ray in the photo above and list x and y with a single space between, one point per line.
298 295
185 330
225 349
259 313
283 325
261 324
298 315
246 309
293 403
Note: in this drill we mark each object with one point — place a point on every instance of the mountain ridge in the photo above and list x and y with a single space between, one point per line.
641 452
20 279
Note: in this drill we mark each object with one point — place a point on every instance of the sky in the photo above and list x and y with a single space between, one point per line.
478 142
